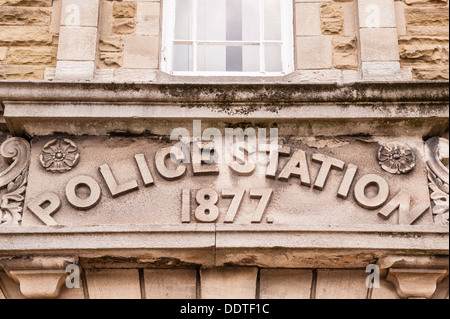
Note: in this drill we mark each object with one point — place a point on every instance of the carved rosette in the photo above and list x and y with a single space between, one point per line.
396 158
16 152
437 155
59 155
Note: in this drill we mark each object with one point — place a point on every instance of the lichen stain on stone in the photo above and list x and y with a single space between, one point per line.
116 87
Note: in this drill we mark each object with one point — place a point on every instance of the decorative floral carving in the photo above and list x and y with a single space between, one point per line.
12 202
436 152
59 155
396 158
15 151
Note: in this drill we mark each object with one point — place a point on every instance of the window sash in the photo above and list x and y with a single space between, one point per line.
286 42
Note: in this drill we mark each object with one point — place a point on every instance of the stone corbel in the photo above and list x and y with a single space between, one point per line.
414 277
38 277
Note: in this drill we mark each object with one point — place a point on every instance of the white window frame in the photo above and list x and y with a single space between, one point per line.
287 41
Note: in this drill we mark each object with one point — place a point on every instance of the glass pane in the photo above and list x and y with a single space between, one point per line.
234 20
212 58
272 20
211 20
251 58
182 57
273 58
234 58
183 20
250 21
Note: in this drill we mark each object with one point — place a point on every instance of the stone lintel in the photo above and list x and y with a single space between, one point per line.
218 245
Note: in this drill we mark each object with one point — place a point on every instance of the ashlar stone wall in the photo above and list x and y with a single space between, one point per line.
129 37
335 40
424 38
28 43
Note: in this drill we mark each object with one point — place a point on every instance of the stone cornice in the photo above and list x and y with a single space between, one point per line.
221 92
42 108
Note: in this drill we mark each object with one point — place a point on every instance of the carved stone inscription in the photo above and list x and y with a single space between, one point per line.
148 181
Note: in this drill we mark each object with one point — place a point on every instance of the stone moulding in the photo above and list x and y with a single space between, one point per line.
16 151
37 108
361 92
221 244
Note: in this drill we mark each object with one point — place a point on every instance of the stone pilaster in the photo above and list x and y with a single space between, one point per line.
378 39
77 40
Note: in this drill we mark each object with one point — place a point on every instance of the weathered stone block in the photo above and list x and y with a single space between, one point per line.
3 52
148 18
80 13
307 19
314 53
332 18
170 283
400 17
124 10
24 35
386 291
432 31
26 3
25 16
75 70
124 26
345 53
56 17
376 14
228 283
350 24
49 74
141 52
113 283
77 43
431 73
426 16
106 18
111 59
422 54
21 72
427 3
111 44
379 44
381 71
285 284
32 55
331 283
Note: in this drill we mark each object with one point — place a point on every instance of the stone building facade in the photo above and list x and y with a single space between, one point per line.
346 101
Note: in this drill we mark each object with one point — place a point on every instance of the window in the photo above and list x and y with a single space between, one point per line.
227 37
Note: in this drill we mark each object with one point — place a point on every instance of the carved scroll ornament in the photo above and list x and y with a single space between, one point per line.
437 155
16 152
